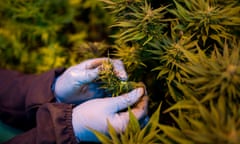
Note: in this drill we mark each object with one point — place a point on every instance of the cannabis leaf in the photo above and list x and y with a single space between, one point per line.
133 133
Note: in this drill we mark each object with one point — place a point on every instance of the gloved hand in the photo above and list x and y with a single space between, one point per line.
95 114
76 84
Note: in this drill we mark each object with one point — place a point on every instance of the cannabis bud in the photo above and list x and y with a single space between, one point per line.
111 83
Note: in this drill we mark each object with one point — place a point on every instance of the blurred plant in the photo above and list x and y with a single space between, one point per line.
87 50
209 112
214 76
119 7
30 29
130 55
212 122
51 56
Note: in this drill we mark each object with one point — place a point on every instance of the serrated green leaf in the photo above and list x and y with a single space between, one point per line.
197 125
209 96
183 104
133 125
148 40
153 122
215 114
217 28
124 138
182 12
198 80
136 37
164 139
108 2
101 137
205 113
216 38
197 137
222 106
181 122
172 92
162 72
204 38
113 134
186 91
174 134
124 24
150 137
189 55
171 76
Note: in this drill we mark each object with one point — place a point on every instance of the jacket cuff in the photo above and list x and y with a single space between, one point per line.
54 123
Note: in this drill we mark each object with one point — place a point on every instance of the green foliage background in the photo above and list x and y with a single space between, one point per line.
36 36
185 51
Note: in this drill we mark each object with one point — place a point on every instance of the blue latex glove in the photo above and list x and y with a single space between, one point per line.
95 114
76 84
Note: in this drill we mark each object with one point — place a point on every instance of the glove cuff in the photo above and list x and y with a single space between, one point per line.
53 89
57 74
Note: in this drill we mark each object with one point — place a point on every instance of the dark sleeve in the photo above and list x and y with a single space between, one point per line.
21 95
27 102
54 125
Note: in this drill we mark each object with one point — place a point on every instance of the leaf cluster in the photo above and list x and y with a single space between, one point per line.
207 20
36 36
194 46
197 123
137 23
214 76
134 133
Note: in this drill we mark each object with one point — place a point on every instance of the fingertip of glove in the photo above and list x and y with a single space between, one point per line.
137 92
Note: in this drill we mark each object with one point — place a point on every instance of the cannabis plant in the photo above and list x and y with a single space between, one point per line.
137 24
212 77
214 122
169 54
135 133
185 51
206 20
209 112
38 35
130 55
191 46
143 24
113 84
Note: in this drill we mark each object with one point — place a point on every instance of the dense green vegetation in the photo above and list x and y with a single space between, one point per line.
36 36
187 52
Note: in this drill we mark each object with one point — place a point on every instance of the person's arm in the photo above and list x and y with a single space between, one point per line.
59 123
54 125
21 95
